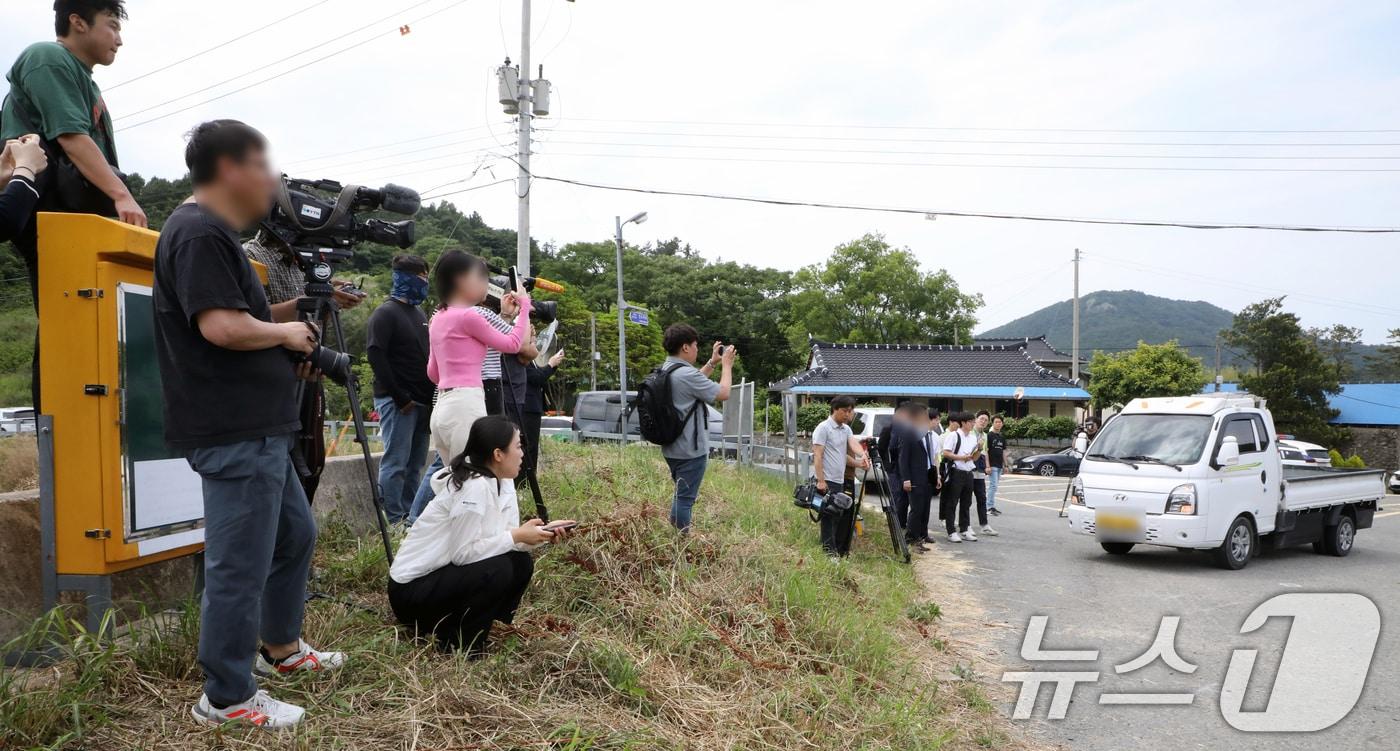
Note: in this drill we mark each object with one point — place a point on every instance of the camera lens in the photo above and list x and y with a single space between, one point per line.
334 365
545 311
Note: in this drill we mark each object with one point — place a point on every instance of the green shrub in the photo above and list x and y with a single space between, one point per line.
1356 462
775 419
1337 459
809 416
1035 427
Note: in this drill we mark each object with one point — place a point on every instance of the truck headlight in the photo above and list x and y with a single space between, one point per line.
1182 499
1076 493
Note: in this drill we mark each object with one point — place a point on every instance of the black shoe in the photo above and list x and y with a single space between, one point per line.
994 512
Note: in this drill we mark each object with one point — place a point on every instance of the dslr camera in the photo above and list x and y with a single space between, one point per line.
317 220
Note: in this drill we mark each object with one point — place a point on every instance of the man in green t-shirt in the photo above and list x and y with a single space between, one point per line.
52 94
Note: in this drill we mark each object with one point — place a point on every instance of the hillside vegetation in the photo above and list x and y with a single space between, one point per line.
742 636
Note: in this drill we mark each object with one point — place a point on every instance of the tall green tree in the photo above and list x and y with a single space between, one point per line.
868 291
1337 344
1290 371
1384 365
1150 370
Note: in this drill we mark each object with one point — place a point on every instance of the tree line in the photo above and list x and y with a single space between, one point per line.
867 291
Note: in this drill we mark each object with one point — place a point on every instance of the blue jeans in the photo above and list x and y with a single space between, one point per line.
258 539
993 477
425 491
405 451
687 474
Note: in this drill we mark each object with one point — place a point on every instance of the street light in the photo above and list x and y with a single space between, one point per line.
637 218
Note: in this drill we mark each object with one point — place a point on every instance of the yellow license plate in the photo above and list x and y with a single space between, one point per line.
1120 524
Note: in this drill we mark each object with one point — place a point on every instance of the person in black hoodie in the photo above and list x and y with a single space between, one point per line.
20 164
535 379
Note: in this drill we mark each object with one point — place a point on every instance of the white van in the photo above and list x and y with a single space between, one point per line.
1204 473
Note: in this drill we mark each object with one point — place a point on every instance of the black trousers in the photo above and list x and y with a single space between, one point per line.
979 491
27 247
456 604
955 502
838 529
919 503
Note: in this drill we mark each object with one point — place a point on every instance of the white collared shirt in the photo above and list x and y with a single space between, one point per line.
459 526
960 443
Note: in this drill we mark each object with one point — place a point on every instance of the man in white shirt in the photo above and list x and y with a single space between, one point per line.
961 449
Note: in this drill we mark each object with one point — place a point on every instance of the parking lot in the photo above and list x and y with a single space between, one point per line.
1113 604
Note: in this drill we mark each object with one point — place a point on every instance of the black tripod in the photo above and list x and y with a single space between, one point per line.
317 306
901 546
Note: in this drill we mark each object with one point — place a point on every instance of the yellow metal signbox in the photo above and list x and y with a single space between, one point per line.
119 497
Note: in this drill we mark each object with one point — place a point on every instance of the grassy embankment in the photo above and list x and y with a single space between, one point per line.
741 637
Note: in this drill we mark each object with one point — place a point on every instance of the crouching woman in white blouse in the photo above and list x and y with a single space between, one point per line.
466 560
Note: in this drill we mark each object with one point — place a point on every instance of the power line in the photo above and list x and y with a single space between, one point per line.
220 45
1016 142
413 151
953 165
401 142
982 129
1038 154
969 214
283 73
468 190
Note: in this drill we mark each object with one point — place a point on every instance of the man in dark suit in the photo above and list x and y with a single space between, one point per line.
916 471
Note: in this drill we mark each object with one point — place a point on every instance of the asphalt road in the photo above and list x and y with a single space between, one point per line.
1037 566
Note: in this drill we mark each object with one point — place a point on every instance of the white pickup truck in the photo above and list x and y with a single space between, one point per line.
1204 473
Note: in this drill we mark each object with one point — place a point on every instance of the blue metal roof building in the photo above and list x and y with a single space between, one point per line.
1374 404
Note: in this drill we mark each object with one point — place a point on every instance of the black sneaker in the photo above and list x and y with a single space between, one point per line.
994 512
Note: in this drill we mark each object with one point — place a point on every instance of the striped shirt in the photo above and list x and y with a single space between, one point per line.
491 366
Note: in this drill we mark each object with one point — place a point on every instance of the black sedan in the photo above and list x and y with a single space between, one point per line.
1064 462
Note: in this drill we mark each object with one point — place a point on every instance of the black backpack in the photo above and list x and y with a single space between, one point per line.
657 416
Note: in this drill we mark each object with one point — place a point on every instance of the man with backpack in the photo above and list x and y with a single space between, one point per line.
673 411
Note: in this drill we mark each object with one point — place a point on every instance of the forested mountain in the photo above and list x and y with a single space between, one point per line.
1115 321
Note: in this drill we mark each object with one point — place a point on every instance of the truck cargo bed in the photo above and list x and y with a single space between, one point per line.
1307 487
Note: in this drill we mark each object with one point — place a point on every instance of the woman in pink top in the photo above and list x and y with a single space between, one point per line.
458 337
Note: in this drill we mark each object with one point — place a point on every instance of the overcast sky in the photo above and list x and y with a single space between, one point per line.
840 102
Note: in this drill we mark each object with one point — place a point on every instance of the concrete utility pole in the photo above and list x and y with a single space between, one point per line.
526 115
593 351
1074 337
1218 379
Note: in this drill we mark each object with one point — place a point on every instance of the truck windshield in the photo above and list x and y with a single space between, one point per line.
1169 439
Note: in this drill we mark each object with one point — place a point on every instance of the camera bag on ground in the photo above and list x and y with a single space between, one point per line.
657 416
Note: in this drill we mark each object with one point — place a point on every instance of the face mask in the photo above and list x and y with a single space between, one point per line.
410 288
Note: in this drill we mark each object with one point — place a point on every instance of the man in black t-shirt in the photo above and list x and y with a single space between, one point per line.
397 349
228 379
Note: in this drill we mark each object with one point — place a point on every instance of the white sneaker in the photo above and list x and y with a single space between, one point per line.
988 531
955 537
261 711
969 536
306 658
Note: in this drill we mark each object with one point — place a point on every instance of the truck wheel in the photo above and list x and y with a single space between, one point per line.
1116 548
1339 540
1234 553
1045 469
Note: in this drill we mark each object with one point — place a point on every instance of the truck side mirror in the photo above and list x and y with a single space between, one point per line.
1229 453
1081 444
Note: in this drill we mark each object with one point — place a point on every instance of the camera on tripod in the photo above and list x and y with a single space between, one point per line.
322 233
